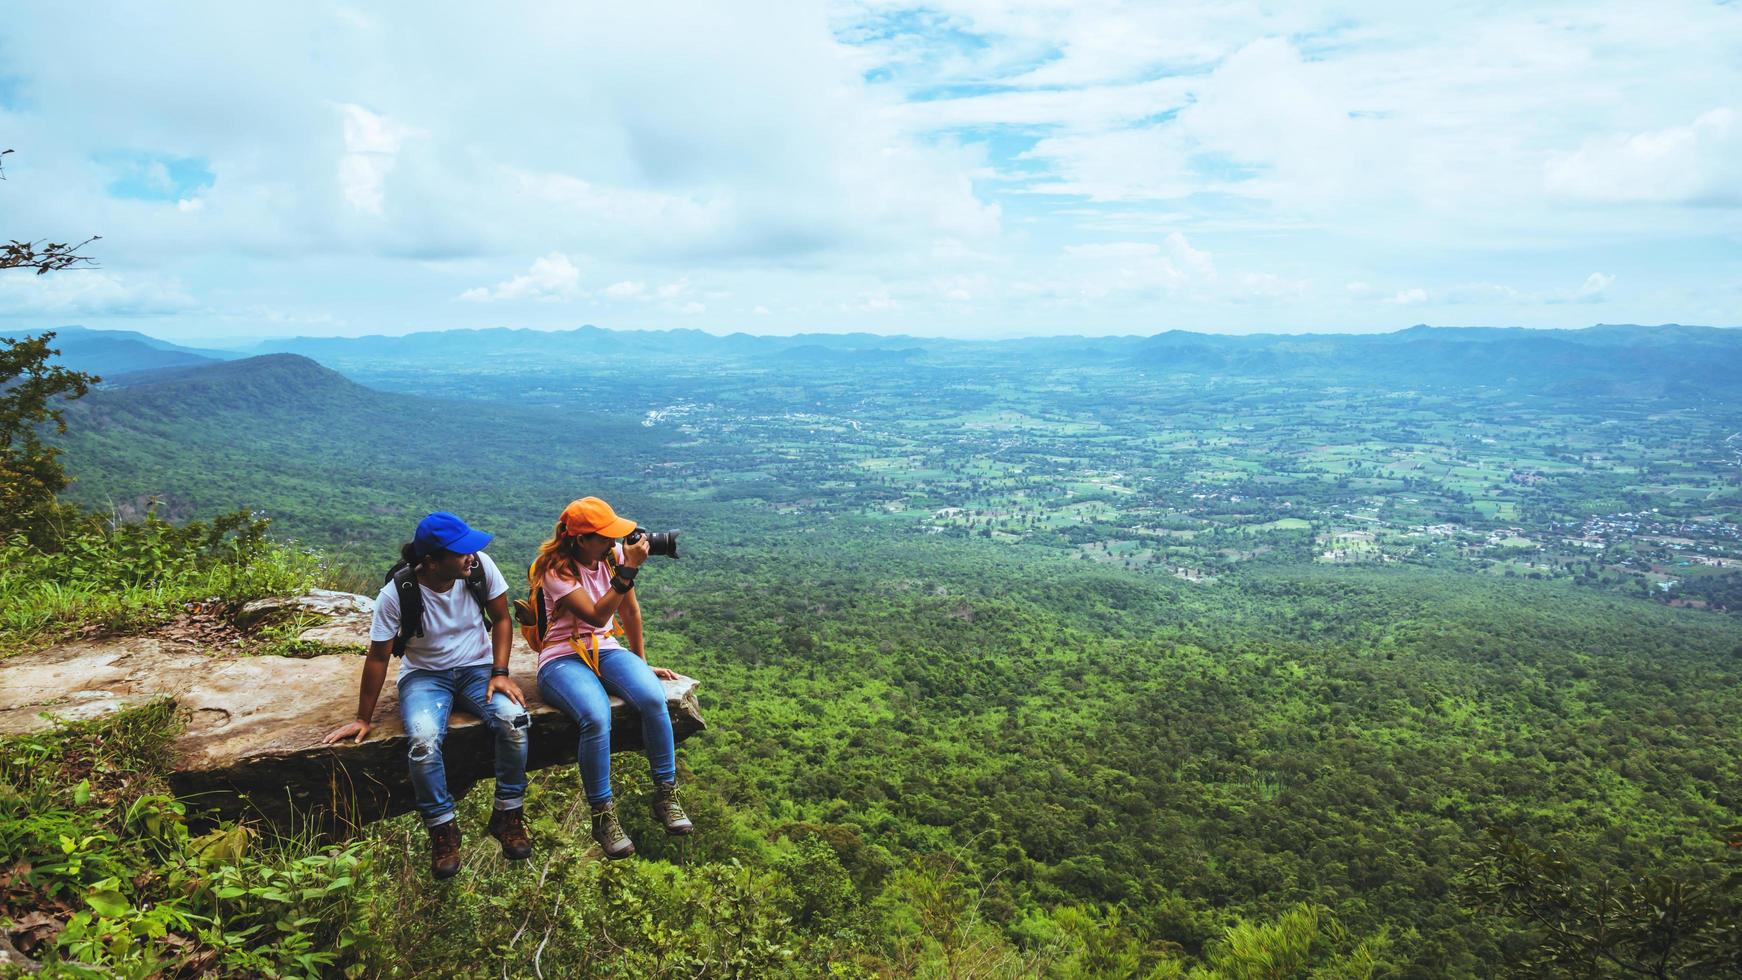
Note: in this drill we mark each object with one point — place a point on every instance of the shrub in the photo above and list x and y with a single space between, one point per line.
112 576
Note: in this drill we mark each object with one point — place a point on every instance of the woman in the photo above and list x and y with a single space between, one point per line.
588 578
456 656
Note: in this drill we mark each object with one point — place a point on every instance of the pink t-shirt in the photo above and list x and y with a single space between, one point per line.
566 630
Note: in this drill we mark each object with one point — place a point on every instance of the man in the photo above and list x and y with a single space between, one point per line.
453 656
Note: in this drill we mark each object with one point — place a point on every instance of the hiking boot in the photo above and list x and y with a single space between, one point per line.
444 850
509 827
609 833
667 810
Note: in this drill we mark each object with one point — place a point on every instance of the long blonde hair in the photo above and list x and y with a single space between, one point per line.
560 554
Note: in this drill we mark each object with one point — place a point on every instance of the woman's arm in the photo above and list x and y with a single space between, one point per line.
630 611
374 674
597 613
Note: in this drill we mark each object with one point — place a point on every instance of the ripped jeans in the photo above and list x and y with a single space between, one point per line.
426 698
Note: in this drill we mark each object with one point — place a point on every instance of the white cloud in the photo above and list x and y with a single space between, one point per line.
1119 165
1696 163
1478 292
1490 294
903 167
872 301
372 145
1090 108
551 278
1118 271
89 292
1263 286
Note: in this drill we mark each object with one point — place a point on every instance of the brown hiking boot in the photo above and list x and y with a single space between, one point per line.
444 849
509 827
609 833
667 810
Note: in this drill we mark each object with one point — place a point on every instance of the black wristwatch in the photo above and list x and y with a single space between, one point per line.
498 671
624 580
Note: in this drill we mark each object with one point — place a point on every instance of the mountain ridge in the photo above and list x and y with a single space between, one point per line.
111 354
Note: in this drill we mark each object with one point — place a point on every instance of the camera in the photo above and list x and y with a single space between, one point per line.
662 543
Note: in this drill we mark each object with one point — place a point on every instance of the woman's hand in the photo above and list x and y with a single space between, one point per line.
506 686
357 727
664 674
635 554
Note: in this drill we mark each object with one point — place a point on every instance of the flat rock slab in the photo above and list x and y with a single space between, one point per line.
252 745
343 617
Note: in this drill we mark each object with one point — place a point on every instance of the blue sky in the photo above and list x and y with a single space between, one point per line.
963 168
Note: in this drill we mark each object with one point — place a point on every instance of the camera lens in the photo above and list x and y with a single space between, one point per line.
661 543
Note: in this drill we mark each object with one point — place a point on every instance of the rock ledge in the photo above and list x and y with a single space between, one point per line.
252 745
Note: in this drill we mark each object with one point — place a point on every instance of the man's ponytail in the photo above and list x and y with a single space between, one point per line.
408 553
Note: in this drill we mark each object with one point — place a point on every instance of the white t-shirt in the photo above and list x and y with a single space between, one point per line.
453 631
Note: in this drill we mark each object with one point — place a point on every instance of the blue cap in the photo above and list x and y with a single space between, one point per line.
443 530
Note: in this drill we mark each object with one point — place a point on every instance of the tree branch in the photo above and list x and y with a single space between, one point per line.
45 256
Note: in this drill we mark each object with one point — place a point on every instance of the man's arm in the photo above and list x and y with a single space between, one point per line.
501 630
369 691
501 645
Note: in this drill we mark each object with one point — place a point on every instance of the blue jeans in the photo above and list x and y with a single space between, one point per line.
426 698
570 685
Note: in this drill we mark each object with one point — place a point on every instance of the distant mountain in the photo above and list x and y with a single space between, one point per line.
111 353
817 355
586 346
274 385
1595 360
324 456
1667 359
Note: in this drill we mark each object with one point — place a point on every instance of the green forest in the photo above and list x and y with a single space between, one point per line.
1105 712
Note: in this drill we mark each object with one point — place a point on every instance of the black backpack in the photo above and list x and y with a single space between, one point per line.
404 579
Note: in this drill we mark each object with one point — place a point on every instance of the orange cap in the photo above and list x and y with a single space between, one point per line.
590 515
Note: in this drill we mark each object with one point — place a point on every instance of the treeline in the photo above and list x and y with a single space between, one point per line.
1189 755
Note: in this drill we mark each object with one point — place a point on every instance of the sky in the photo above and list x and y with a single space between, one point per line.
965 168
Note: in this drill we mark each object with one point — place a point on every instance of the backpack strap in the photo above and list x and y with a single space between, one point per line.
404 579
616 623
476 585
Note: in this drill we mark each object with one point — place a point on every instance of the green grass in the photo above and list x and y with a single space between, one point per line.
111 880
124 578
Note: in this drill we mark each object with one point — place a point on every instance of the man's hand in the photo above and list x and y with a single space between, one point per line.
635 554
664 674
357 727
507 686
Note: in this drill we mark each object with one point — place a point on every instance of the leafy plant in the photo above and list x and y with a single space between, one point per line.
1684 922
118 576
